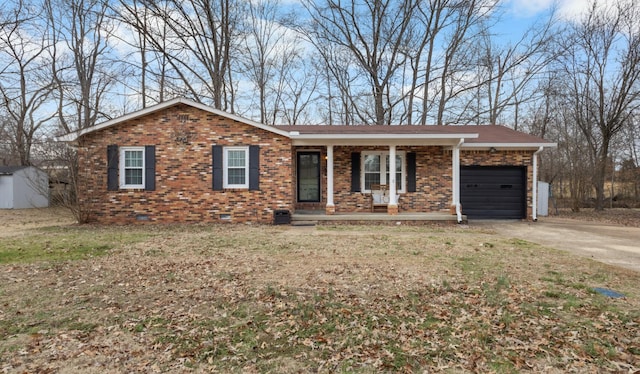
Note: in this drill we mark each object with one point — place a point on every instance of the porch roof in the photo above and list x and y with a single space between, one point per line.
376 135
473 136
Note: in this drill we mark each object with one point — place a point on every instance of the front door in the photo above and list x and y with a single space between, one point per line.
309 177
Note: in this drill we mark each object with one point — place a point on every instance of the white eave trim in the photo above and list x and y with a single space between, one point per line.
508 145
378 139
70 137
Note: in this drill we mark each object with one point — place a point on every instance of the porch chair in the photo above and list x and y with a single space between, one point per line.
379 198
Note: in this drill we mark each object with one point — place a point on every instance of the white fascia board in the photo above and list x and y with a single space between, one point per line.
72 136
379 139
508 145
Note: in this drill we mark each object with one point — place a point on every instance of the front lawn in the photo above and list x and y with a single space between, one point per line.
279 299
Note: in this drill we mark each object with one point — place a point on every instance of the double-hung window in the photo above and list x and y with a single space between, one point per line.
132 167
375 169
372 169
236 167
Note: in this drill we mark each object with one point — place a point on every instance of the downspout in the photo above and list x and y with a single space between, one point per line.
534 189
456 180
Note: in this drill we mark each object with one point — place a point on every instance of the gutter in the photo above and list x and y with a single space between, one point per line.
534 207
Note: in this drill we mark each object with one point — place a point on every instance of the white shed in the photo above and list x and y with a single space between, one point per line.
543 199
23 187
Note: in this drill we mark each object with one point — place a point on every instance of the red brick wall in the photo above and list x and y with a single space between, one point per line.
433 181
184 170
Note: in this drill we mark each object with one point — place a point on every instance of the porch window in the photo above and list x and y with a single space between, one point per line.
371 170
375 169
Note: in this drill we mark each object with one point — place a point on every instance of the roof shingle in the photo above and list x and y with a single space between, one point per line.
486 133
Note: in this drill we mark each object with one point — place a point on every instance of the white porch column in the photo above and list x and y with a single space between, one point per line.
393 201
330 209
534 188
455 180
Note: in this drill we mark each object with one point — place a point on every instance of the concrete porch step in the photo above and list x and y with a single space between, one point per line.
299 222
314 218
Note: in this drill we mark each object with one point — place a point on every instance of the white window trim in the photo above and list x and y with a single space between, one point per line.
123 185
383 169
225 170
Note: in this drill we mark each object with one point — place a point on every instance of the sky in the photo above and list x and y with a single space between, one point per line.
567 9
519 15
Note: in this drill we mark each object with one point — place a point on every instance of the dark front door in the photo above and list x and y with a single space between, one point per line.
309 176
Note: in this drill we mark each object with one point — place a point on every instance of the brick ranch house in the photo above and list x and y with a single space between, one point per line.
181 161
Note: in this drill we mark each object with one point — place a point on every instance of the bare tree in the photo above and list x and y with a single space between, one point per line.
432 17
340 78
197 39
264 43
273 59
630 167
458 53
374 33
85 68
24 85
510 69
602 64
297 87
157 80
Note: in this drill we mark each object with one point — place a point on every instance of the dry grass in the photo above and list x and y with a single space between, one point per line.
279 299
618 216
16 222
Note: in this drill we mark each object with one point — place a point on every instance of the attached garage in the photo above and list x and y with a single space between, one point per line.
493 192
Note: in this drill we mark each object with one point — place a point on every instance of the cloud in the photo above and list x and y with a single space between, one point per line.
567 9
573 9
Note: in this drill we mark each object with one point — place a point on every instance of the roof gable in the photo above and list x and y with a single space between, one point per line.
73 136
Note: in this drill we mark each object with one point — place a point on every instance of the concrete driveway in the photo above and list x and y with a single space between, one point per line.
611 244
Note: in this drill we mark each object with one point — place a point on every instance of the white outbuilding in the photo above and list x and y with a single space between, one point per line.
23 187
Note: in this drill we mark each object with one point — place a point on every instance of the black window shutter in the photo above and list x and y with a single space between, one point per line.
355 172
411 172
112 168
216 156
254 168
150 168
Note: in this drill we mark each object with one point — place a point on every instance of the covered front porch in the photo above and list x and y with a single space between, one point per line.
351 179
